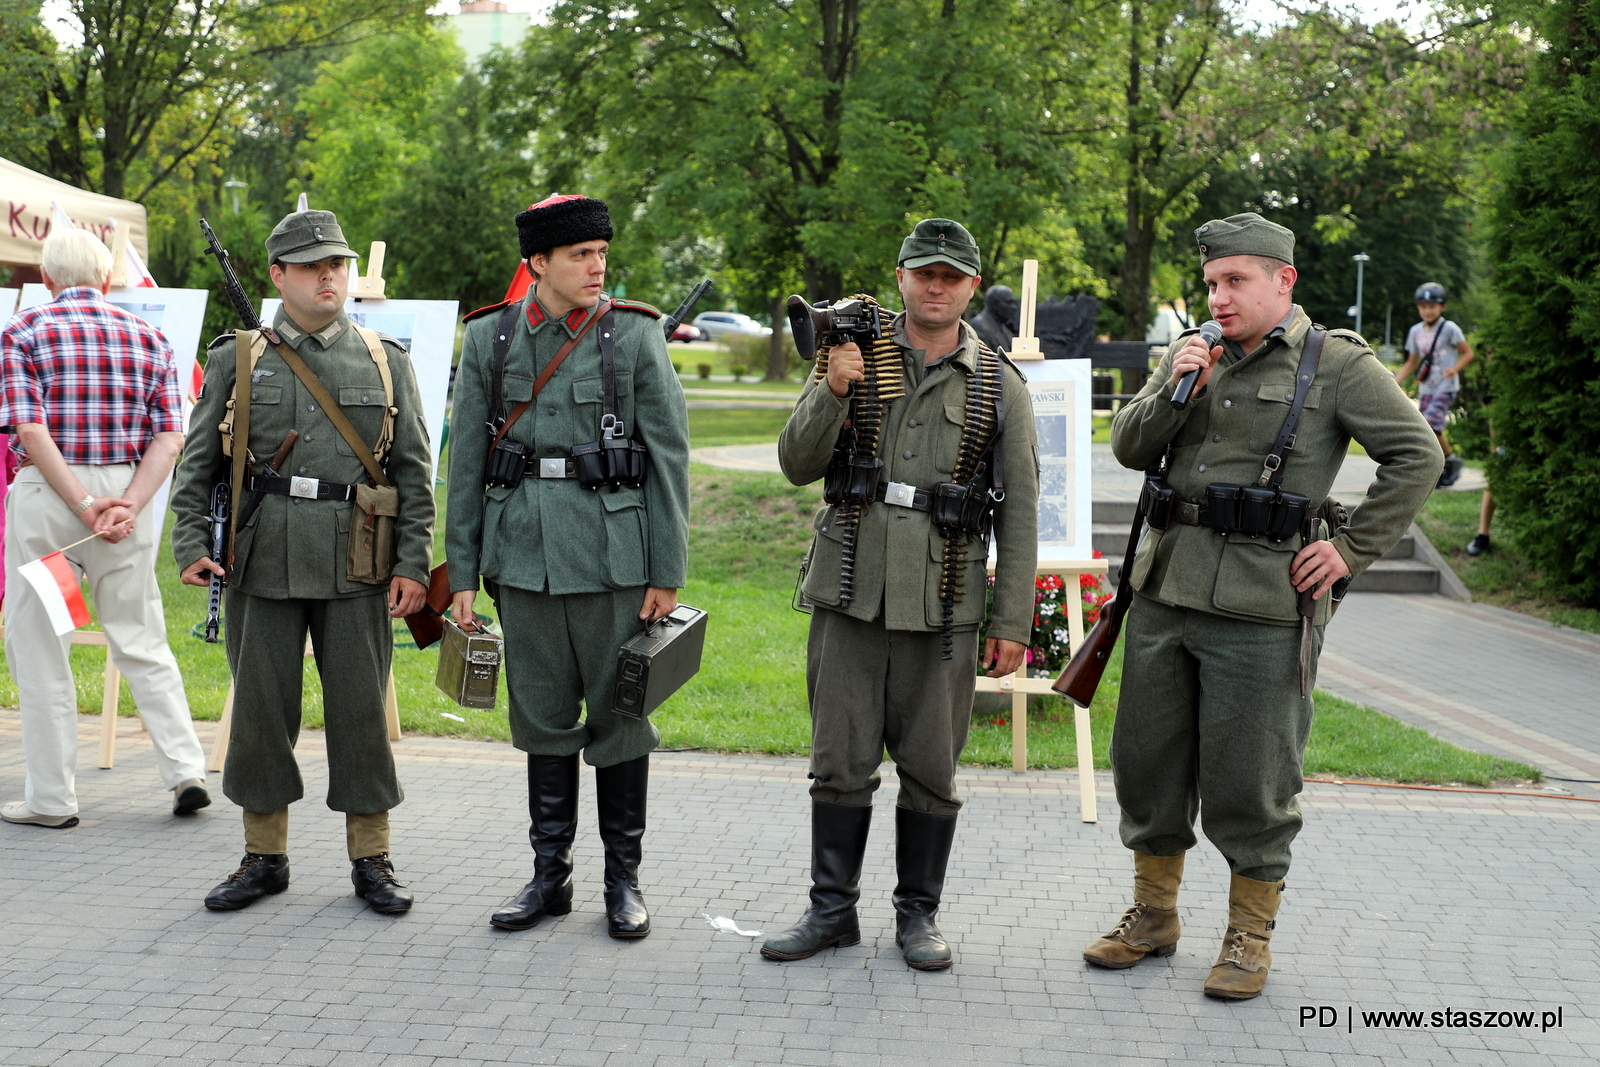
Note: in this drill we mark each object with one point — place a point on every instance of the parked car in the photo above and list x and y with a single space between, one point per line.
718 324
688 331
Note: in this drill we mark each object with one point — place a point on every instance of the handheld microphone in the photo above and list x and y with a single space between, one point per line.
1211 334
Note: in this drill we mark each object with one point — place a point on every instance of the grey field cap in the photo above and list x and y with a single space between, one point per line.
307 237
1247 234
941 241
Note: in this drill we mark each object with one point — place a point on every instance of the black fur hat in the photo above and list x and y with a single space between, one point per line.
562 220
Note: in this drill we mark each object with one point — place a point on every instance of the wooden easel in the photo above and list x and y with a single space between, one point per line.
1026 347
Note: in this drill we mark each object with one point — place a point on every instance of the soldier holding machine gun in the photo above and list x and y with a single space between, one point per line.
325 454
1232 585
925 442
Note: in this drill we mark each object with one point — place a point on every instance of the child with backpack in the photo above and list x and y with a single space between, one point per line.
1437 352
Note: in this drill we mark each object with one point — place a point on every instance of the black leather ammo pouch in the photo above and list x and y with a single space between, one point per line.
507 463
1255 511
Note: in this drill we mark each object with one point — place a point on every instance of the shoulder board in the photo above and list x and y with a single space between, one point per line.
217 340
636 305
478 314
1349 335
401 345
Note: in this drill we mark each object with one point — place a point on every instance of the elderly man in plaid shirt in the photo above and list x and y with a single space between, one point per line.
92 394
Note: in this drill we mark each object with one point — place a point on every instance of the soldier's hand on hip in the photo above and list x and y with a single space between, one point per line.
1194 355
200 571
406 596
461 606
1003 657
1319 564
658 602
845 365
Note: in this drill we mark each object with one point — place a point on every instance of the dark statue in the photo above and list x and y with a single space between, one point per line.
1065 327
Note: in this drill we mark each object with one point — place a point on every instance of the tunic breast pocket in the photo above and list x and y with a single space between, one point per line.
948 444
363 406
1271 408
266 394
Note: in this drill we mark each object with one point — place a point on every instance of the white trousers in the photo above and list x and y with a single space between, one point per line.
127 600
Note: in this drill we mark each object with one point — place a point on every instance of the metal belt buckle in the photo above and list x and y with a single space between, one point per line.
900 494
303 487
553 468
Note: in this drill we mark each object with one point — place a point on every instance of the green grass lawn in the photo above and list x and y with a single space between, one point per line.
1503 576
749 532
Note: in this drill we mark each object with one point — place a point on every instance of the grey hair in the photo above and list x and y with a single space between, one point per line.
75 257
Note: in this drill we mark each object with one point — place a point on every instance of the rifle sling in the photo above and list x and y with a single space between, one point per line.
544 376
335 414
241 438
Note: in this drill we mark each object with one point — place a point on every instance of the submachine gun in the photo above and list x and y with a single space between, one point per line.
220 515
851 484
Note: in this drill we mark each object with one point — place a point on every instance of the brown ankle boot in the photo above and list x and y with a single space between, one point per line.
1242 965
1151 925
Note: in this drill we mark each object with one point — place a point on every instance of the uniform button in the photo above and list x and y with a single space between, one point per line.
906 454
314 346
363 398
294 500
549 411
1227 403
311 407
302 470
254 395
1216 437
911 422
1202 468
1289 397
309 438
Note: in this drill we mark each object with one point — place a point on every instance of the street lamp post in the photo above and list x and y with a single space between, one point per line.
234 185
1361 260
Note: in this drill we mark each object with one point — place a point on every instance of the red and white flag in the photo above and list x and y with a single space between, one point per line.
57 585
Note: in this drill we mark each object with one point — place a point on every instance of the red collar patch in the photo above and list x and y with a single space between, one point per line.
535 313
575 317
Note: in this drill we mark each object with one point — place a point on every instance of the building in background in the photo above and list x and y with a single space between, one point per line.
482 25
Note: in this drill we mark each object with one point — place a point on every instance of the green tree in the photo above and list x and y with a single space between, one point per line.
1545 248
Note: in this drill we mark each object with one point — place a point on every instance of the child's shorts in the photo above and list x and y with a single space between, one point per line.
1436 408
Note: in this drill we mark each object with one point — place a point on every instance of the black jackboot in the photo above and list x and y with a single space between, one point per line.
620 792
921 852
838 841
553 807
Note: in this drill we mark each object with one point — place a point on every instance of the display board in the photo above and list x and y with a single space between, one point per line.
428 330
1061 391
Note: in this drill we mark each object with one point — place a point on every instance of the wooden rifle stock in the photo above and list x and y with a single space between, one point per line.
1082 675
427 624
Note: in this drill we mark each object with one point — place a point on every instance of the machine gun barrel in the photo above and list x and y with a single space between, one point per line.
230 281
685 309
218 518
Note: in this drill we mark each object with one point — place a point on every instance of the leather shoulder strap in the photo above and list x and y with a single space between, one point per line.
1310 356
497 370
602 309
245 361
381 358
335 414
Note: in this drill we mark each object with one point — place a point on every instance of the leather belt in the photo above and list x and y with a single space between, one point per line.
1188 514
904 495
550 467
304 488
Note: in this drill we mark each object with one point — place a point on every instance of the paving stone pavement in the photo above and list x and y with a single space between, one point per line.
1400 900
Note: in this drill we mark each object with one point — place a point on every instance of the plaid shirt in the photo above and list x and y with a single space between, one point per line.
100 379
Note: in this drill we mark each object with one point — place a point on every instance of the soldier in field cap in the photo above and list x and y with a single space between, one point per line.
892 664
1212 715
576 557
293 572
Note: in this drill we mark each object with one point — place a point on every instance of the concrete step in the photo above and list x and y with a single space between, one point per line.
1116 512
1405 548
1397 576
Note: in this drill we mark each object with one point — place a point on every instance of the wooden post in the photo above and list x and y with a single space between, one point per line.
219 747
108 711
391 708
369 286
1026 345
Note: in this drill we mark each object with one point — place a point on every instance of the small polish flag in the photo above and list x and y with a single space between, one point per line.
138 275
53 579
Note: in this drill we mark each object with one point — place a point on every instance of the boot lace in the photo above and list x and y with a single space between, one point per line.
250 862
379 868
1129 919
1237 941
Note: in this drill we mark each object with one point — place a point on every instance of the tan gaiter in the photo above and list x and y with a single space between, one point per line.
366 835
267 835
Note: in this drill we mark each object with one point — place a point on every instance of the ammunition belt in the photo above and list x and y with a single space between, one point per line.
302 488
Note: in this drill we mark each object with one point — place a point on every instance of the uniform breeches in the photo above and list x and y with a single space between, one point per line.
353 642
560 655
871 688
1211 721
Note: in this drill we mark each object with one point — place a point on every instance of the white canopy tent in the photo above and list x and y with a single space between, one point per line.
26 196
